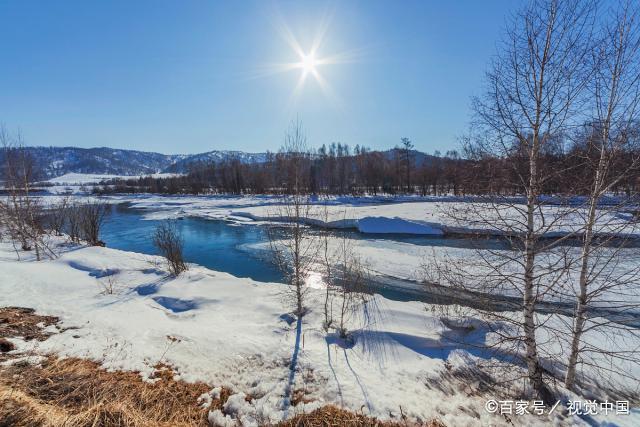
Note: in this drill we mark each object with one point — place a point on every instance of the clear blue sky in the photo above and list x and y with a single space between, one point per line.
190 76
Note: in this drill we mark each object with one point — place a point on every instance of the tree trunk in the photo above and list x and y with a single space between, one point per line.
580 316
534 370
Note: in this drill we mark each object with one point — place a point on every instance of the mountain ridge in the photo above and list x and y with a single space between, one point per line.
57 161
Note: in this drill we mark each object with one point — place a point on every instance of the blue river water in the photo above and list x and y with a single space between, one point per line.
214 244
224 246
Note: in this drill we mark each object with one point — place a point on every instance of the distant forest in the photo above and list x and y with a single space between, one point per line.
567 166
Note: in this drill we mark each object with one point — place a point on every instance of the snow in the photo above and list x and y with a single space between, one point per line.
82 178
382 225
72 182
233 332
405 215
227 331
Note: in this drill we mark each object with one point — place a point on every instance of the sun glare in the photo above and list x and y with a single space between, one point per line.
309 60
308 63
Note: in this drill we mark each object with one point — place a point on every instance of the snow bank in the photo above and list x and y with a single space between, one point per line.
382 225
87 178
233 332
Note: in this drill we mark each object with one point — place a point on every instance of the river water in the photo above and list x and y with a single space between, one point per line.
231 247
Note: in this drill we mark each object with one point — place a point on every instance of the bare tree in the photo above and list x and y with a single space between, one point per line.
168 240
92 215
350 284
57 215
294 247
533 86
21 213
407 158
74 221
328 273
611 155
345 277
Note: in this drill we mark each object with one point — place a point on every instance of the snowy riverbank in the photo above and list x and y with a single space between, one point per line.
373 214
235 332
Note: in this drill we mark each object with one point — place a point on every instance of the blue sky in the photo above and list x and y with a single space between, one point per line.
191 76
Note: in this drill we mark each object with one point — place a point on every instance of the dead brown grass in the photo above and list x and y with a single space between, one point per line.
332 416
23 322
76 392
80 393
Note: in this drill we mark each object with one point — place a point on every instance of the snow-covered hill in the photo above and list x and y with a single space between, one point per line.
53 162
182 165
58 161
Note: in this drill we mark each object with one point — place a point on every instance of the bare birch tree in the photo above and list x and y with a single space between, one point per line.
610 155
533 86
345 276
328 271
294 247
350 283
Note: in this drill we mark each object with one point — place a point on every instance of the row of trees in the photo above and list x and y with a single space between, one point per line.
566 159
333 170
561 64
27 220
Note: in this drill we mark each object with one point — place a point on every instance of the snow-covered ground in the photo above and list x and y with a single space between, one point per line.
235 332
74 183
377 217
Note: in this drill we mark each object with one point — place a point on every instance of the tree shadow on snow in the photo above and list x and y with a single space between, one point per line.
293 366
384 344
333 371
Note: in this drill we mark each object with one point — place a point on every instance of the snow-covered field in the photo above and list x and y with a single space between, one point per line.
74 183
413 215
376 217
235 332
228 331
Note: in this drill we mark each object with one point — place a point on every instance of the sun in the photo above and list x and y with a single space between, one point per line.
308 63
308 60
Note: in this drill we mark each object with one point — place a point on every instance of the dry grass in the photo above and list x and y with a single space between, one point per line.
77 393
330 416
23 322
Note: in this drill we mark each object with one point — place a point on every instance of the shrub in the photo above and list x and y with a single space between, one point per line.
168 239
